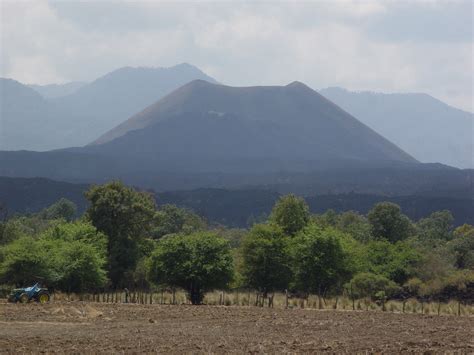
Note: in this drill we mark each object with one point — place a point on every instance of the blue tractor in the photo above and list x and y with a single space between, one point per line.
34 293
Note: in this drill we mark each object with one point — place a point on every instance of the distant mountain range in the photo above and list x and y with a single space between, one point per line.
76 114
49 117
421 125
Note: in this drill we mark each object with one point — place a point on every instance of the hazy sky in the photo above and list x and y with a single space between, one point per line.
390 46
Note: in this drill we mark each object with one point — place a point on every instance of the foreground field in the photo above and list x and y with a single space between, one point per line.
92 327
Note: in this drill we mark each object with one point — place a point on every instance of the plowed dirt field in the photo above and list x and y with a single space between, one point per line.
128 328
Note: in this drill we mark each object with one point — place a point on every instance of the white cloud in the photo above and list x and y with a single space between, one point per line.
343 43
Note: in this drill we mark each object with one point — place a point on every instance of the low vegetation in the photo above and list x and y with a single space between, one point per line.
124 241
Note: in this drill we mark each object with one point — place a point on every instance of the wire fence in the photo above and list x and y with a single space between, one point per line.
246 298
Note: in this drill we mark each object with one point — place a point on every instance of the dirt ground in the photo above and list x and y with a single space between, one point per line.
128 328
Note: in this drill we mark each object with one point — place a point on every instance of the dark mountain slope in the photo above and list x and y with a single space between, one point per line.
208 123
425 127
234 208
20 195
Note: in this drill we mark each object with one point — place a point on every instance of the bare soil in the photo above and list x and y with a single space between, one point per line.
79 327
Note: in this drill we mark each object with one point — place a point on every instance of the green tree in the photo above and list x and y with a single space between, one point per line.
462 246
355 224
124 215
437 227
170 219
83 232
320 264
74 266
198 263
62 209
265 260
23 262
388 222
291 213
397 262
68 256
373 286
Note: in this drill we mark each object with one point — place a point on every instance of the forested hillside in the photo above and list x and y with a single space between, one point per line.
230 207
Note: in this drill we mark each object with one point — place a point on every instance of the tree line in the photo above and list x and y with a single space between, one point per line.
124 241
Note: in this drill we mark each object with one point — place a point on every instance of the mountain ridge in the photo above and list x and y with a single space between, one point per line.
295 112
428 128
83 115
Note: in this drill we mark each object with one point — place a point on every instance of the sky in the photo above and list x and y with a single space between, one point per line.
384 46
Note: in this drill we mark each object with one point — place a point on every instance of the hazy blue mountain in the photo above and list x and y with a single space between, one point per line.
111 99
203 125
421 125
52 91
32 122
26 118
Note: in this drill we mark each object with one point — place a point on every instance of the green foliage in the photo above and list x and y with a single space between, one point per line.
388 222
10 230
291 213
171 220
23 262
372 286
320 264
68 261
233 235
462 246
437 227
265 260
124 215
77 232
396 262
356 225
76 266
198 263
62 209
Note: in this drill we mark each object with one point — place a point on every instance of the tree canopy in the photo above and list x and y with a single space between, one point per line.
291 213
198 263
124 215
388 222
266 263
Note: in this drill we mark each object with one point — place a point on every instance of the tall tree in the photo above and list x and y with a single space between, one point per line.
437 227
388 222
291 213
265 259
124 215
320 263
198 263
462 246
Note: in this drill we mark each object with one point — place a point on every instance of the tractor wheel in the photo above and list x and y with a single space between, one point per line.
43 297
23 298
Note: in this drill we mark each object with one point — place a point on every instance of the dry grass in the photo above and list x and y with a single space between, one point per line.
246 298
